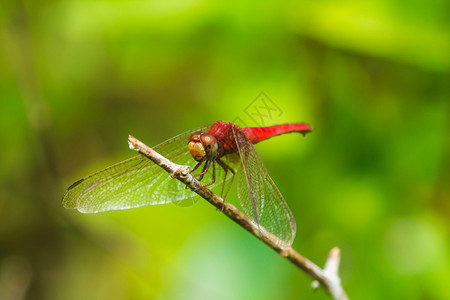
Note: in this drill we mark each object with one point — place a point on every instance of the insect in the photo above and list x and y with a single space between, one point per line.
138 181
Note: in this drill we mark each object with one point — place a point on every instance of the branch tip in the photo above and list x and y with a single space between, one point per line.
332 263
133 143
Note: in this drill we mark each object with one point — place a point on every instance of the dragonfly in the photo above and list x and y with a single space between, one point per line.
223 149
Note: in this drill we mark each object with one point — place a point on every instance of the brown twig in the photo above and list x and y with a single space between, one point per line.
328 277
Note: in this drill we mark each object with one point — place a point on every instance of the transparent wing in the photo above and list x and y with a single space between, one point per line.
259 196
134 182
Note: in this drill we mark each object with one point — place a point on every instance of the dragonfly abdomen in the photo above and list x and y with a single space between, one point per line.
258 134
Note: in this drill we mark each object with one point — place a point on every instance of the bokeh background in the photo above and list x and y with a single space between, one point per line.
372 78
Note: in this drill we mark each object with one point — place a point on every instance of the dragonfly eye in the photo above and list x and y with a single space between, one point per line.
195 137
197 150
209 141
202 144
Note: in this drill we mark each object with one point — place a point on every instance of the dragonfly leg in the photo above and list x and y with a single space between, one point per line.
224 179
195 168
213 173
205 169
197 165
226 169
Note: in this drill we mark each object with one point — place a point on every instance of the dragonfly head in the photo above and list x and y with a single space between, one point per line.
202 145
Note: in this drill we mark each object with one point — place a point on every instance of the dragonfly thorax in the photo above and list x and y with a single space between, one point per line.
202 145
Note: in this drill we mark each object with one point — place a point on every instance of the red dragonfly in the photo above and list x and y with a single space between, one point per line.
138 181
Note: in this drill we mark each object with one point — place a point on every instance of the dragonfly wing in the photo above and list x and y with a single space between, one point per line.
260 198
134 182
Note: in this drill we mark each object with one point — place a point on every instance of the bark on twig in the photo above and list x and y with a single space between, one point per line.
328 277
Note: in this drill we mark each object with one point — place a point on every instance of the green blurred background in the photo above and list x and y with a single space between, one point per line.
372 78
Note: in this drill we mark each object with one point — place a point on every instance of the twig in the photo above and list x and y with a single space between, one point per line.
328 277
